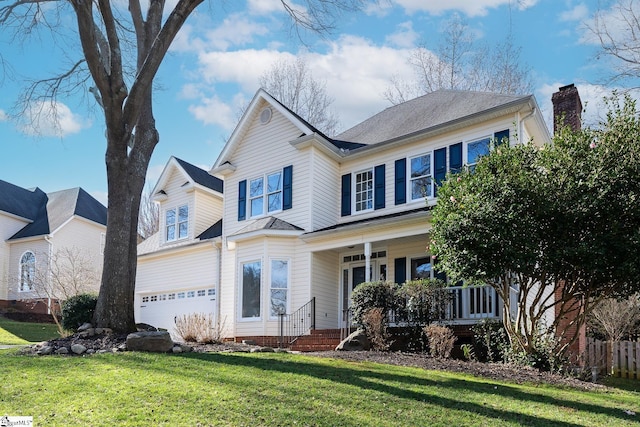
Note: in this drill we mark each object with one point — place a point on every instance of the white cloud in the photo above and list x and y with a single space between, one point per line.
356 71
468 7
3 116
577 14
264 7
235 30
214 111
378 8
51 119
405 36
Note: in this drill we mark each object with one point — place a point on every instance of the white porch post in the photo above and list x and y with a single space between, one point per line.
367 256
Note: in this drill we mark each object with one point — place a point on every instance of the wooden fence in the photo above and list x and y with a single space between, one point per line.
620 359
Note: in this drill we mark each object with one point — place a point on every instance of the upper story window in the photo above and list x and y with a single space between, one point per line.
421 177
477 149
177 223
364 190
27 271
267 199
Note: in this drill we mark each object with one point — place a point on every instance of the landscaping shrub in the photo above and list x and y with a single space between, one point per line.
375 325
423 301
200 327
490 341
78 310
370 295
440 339
545 358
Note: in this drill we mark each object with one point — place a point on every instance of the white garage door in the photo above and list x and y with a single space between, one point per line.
162 309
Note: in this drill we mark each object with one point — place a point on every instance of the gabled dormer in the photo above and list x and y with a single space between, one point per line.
190 201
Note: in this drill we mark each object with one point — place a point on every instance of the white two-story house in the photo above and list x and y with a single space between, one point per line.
306 218
179 266
51 246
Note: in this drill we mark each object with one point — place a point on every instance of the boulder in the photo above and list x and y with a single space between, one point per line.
85 326
62 350
151 341
45 350
357 341
145 327
78 348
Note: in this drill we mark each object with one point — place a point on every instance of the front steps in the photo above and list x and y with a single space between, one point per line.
317 340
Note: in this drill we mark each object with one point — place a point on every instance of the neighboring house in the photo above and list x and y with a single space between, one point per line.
178 267
306 218
38 230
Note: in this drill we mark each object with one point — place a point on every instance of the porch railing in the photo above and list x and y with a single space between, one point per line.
293 326
345 323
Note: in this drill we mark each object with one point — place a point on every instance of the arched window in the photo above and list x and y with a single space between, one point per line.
27 271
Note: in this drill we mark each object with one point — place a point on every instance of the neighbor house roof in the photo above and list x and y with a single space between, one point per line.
47 212
428 111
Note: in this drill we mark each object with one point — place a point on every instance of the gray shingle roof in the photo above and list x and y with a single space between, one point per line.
201 176
430 110
48 211
269 223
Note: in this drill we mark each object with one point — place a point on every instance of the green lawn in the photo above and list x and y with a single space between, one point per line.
12 332
262 389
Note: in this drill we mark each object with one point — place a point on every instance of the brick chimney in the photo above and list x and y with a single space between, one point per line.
567 104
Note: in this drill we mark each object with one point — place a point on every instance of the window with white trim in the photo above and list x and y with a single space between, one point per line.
279 289
364 190
27 271
177 223
477 149
267 199
250 289
420 176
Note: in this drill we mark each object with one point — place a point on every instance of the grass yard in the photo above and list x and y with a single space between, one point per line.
12 332
271 389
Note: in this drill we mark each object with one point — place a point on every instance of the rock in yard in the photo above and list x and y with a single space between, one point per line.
85 326
78 348
357 341
45 350
153 341
62 350
177 349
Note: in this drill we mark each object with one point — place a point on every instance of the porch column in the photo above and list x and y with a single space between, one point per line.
367 256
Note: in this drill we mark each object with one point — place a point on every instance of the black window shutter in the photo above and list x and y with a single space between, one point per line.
242 200
401 181
440 163
287 188
378 195
346 195
501 137
400 268
455 157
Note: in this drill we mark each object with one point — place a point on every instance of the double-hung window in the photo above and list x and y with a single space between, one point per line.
251 289
177 223
27 271
279 287
364 190
477 149
267 199
421 177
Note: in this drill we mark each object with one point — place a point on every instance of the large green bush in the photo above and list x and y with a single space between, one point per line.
78 310
371 295
423 301
490 341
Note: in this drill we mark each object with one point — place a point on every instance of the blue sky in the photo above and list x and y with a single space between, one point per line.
215 64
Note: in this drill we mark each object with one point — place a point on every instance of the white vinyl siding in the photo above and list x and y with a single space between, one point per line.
325 280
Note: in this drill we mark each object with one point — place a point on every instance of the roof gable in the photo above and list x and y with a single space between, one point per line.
192 173
250 115
21 202
54 209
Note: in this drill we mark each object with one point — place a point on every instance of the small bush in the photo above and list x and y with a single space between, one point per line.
78 310
544 358
375 325
201 328
440 339
423 301
490 341
370 295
